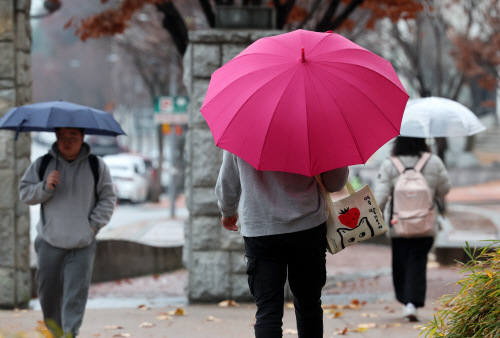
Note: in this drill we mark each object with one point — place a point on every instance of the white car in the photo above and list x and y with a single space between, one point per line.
129 175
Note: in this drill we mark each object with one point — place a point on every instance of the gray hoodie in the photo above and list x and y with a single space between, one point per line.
68 213
273 202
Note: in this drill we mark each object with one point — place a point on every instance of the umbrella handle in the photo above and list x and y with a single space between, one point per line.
18 129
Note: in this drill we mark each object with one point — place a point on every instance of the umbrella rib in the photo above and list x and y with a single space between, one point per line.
228 84
346 122
362 93
323 39
248 98
356 65
270 122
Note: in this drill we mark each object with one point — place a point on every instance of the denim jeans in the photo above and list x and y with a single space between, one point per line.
301 256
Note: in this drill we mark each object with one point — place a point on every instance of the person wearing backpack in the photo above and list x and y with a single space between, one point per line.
409 181
77 198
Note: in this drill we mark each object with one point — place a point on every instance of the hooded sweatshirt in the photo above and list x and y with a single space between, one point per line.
68 212
273 202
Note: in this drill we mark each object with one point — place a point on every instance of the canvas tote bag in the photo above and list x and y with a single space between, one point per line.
352 219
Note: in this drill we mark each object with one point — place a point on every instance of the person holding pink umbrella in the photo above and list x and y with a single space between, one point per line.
285 234
286 109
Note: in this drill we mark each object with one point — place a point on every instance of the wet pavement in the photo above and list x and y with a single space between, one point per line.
472 211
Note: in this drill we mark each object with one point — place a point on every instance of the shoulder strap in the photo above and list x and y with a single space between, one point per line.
94 166
43 166
422 161
398 164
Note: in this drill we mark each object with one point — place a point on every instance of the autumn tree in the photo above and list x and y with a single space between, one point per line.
318 15
477 39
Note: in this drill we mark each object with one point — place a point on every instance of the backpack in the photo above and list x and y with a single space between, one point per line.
94 166
413 203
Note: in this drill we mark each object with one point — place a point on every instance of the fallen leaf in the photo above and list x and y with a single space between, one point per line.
156 276
368 325
146 325
385 326
164 317
354 306
336 314
355 302
177 312
364 303
332 306
213 319
43 329
97 334
369 315
113 327
122 335
290 331
361 329
143 307
228 303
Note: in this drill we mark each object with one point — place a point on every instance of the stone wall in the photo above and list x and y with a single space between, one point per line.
214 256
15 90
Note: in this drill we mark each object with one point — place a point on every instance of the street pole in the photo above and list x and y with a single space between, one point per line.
173 93
172 188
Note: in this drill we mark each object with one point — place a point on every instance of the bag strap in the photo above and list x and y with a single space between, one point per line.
94 166
398 164
422 161
348 186
43 166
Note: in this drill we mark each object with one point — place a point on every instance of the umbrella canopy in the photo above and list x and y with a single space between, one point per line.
439 117
304 102
46 116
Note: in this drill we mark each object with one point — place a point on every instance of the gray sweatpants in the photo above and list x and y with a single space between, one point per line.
63 277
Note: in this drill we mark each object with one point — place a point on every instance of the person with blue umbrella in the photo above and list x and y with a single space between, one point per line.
76 197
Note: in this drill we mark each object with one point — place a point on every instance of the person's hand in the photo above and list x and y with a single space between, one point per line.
52 180
230 222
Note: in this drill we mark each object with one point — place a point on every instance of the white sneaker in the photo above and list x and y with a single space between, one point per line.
410 312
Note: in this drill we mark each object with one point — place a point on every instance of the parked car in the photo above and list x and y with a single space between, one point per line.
104 145
130 175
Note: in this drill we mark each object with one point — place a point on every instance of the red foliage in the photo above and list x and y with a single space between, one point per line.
392 9
109 22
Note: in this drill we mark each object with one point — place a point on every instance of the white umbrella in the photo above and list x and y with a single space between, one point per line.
438 117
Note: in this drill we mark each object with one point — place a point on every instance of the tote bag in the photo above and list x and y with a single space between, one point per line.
352 219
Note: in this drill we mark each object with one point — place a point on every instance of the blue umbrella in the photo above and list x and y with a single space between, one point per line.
46 116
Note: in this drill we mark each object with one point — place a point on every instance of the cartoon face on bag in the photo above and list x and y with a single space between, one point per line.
357 234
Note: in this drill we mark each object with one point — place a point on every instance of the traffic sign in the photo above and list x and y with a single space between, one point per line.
171 109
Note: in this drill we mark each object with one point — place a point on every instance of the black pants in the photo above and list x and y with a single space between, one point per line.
409 267
303 255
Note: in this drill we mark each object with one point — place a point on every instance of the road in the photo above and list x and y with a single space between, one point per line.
132 218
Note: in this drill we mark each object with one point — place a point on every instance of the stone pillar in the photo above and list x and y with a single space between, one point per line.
15 90
214 256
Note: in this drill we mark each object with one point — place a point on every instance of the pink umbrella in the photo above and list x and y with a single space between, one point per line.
304 102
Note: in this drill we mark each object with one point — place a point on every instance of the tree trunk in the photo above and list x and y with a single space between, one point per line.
282 12
175 25
327 23
208 11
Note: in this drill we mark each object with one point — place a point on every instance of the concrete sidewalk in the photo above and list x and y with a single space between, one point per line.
473 210
207 321
119 303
